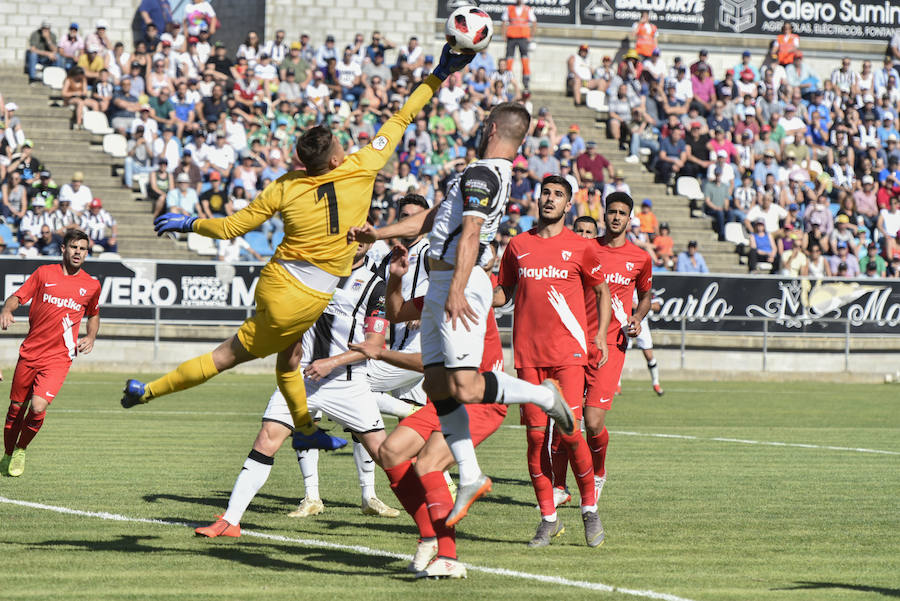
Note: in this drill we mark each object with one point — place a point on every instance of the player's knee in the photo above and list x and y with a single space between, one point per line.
389 455
270 438
594 421
39 404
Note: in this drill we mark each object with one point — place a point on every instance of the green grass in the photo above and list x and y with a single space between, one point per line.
700 519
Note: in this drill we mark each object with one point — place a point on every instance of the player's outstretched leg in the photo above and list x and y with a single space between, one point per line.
319 439
192 372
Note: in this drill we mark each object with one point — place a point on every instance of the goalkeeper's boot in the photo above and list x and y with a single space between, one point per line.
560 412
467 494
133 394
17 463
317 440
375 506
443 567
308 508
219 528
4 465
425 552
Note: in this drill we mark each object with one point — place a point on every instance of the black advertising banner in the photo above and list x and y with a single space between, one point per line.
790 304
557 12
843 19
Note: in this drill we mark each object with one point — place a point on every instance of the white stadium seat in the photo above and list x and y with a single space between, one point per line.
734 233
689 187
201 245
116 145
596 100
108 256
96 123
54 77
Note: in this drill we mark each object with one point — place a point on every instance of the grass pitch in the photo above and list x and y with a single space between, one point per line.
696 518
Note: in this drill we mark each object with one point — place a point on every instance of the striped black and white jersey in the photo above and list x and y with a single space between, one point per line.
481 191
414 284
358 296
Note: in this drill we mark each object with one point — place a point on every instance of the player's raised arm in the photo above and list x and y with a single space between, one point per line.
411 227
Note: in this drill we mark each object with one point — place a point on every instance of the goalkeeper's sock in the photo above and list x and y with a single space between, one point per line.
512 391
309 466
439 503
192 372
253 475
365 469
408 489
15 417
455 427
290 383
598 445
33 422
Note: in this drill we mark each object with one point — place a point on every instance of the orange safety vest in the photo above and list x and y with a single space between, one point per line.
787 47
645 39
518 24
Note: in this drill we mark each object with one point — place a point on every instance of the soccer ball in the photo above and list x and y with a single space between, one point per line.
469 29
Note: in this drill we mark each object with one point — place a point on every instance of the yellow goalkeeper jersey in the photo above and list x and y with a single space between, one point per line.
318 211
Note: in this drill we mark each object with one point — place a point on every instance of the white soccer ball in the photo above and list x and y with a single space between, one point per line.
469 29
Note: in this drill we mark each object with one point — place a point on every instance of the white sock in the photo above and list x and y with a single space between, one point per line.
549 518
455 427
588 509
512 391
365 468
389 405
309 465
653 366
253 475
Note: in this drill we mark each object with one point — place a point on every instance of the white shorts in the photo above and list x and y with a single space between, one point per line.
400 383
443 345
348 402
644 340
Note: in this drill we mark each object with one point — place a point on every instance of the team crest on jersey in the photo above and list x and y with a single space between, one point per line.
379 143
82 291
566 255
629 266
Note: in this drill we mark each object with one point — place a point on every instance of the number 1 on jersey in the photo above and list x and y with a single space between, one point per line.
327 190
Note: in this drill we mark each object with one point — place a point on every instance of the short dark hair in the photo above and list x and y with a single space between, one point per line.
313 149
559 181
75 235
512 120
620 197
587 219
412 199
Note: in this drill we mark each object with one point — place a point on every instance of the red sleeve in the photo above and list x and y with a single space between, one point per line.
592 265
27 290
509 272
645 277
93 307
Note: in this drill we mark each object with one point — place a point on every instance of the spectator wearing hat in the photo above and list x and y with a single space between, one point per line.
183 198
42 49
14 134
543 162
672 156
842 263
655 70
703 89
664 247
99 38
512 225
215 201
220 157
100 226
161 181
791 245
618 184
844 231
762 247
573 137
28 165
702 59
325 52
882 76
800 76
794 133
649 222
220 65
744 198
76 193
691 261
71 46
294 61
746 63
92 61
873 262
866 200
317 93
64 218
45 189
34 219
28 250
186 164
15 198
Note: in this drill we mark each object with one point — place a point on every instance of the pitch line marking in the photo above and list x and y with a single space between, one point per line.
311 542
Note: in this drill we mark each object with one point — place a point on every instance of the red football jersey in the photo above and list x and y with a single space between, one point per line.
550 276
58 302
626 268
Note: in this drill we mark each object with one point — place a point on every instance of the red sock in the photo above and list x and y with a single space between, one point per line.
582 466
411 495
33 423
559 458
440 502
14 419
540 470
598 445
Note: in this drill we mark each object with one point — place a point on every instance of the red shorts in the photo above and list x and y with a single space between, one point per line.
32 380
602 382
484 420
571 380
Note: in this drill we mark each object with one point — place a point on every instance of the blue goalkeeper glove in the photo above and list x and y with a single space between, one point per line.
451 62
173 222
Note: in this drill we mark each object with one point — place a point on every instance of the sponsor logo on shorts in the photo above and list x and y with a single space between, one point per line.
49 395
66 303
541 273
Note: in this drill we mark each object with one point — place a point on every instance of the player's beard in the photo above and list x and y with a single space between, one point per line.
611 231
551 219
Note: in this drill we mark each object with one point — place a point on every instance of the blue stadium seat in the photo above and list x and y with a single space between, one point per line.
277 238
259 243
12 245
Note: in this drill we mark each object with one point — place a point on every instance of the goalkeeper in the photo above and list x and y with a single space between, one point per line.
317 206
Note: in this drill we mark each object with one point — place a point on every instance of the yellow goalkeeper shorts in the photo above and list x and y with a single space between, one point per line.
285 309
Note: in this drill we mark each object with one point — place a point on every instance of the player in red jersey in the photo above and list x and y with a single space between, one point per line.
548 267
627 267
415 455
60 295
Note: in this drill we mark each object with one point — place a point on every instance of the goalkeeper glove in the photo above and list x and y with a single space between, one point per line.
451 62
173 222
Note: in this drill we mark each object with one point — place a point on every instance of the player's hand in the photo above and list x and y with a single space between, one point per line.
6 319
451 62
399 261
85 345
412 326
458 308
173 222
634 326
364 235
369 349
318 369
600 341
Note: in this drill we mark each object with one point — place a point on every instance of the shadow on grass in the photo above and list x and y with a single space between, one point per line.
805 585
277 504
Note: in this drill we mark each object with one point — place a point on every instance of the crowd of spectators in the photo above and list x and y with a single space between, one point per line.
808 161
